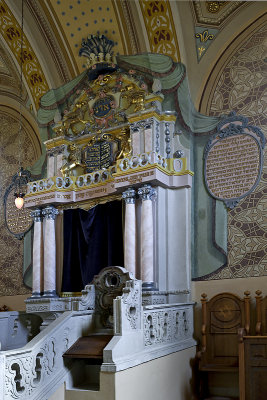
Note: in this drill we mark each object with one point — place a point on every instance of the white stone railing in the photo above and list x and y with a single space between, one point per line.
96 177
142 160
40 186
17 329
168 323
36 370
142 333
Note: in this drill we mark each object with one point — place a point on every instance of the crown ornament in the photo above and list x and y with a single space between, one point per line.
98 50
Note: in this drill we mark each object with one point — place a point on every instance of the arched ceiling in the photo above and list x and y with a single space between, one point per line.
194 32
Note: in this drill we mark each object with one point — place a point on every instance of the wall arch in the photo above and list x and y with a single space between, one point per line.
236 83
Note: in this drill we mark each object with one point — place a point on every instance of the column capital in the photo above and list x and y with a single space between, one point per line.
146 192
36 215
50 212
129 196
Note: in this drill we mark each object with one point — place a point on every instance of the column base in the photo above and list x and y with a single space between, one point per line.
149 286
49 294
35 295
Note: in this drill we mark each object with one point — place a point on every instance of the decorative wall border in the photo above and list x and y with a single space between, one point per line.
162 36
32 71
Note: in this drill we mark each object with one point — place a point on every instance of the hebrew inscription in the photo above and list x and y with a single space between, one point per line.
233 163
232 166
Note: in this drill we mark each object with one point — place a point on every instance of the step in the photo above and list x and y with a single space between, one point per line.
89 347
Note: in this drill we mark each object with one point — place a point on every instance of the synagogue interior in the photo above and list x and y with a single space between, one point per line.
133 226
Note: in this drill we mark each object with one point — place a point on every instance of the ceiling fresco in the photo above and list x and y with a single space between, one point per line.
55 29
76 19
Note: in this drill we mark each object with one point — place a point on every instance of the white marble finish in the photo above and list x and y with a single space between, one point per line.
136 143
50 166
50 251
147 249
148 140
59 163
130 238
146 193
37 259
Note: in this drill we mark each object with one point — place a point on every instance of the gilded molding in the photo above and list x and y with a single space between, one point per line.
204 15
160 28
32 70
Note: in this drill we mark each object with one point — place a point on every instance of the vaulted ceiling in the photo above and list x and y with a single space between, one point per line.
196 33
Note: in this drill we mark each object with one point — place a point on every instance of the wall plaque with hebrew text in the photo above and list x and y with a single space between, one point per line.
233 160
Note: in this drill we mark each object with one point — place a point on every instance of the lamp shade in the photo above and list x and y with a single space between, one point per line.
19 202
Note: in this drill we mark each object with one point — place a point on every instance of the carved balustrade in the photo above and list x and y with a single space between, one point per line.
37 370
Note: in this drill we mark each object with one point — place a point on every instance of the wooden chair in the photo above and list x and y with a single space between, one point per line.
253 356
222 317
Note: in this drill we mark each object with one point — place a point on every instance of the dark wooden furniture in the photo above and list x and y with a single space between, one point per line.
261 312
89 347
222 316
253 356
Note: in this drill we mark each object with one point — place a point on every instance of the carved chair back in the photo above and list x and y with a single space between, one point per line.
109 284
222 317
261 314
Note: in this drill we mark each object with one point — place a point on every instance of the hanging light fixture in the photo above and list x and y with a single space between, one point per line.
19 193
20 177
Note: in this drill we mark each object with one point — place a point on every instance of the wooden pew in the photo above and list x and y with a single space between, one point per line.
253 356
222 316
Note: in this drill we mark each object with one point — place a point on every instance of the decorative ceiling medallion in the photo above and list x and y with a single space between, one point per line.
233 160
32 71
204 37
160 28
214 12
215 6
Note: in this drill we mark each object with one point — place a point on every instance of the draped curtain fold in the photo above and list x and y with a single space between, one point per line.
93 240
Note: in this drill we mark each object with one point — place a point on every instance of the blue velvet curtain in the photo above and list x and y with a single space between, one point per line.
93 240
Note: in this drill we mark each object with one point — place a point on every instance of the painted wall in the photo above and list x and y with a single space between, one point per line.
167 377
236 84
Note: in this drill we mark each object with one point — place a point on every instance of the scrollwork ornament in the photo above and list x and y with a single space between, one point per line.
132 299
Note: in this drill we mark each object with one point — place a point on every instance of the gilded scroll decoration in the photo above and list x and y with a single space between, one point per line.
204 37
160 28
32 70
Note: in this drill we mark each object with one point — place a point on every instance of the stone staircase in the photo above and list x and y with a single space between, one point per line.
79 352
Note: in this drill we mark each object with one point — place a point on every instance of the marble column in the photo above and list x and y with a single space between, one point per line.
50 213
129 197
146 193
37 256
